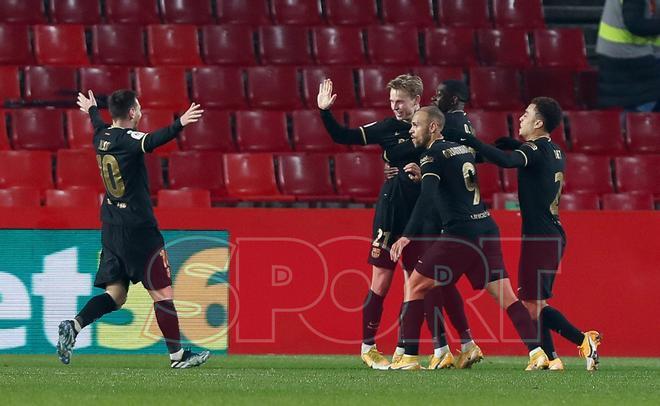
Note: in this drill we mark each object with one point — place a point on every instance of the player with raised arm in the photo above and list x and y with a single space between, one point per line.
132 244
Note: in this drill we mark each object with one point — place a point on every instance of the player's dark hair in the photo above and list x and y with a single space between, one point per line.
434 114
549 110
120 102
457 88
411 84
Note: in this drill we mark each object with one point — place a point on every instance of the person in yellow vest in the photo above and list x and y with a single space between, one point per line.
628 48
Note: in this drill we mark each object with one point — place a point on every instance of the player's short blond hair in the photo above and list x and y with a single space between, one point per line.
410 84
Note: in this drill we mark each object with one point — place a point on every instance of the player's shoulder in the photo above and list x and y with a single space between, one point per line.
456 118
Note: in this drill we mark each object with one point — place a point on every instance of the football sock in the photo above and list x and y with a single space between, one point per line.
76 325
554 320
546 342
413 317
524 325
176 356
439 352
366 348
453 304
399 350
371 314
434 319
399 343
465 346
168 322
95 308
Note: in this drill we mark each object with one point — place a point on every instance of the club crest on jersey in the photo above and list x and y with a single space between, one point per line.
425 160
136 134
375 252
531 145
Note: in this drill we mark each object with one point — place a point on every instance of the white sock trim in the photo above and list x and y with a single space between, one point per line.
399 351
76 325
176 356
465 346
366 348
439 352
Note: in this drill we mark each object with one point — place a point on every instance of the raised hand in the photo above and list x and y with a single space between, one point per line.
192 115
86 102
325 98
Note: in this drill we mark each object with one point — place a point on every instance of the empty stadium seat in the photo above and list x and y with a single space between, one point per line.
587 173
643 132
506 201
494 88
227 45
504 48
489 125
197 12
252 12
9 85
162 87
273 87
579 201
372 85
392 45
184 198
20 196
432 76
50 84
154 172
450 47
638 174
284 45
104 80
359 175
197 169
22 12
342 85
114 44
464 13
141 12
628 201
595 132
75 12
262 131
4 138
16 47
26 168
557 83
60 45
37 129
218 87
527 14
78 168
74 197
300 12
349 12
155 119
587 88
411 12
360 117
306 176
488 177
252 177
558 136
309 134
79 131
338 46
510 180
173 44
211 133
563 48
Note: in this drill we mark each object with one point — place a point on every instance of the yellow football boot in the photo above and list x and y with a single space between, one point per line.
555 365
470 356
588 349
537 360
375 359
396 358
444 362
407 363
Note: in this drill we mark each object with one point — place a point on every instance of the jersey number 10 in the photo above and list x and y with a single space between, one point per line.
112 179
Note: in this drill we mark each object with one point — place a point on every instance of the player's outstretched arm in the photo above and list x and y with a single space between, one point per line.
157 138
192 115
339 133
489 152
325 99
88 105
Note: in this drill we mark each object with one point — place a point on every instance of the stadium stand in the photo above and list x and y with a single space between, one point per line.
184 198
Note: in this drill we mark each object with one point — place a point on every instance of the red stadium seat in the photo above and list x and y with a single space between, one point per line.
527 14
562 48
552 82
273 87
342 85
306 176
20 197
16 47
40 129
104 80
587 173
412 12
450 47
74 197
464 13
115 45
628 201
199 170
4 138
197 12
252 177
78 168
227 45
432 76
360 117
162 87
282 44
185 198
504 48
218 87
50 84
60 45
26 168
558 136
261 131
338 46
173 44
309 134
298 12
489 181
638 174
587 88
211 133
489 125
79 132
22 12
579 201
359 175
9 85
251 12
510 180
372 85
154 173
595 132
152 120
494 88
643 132
139 12
392 45
506 201
350 12
75 12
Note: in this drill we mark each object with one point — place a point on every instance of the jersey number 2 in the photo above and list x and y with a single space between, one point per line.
470 177
554 207
112 179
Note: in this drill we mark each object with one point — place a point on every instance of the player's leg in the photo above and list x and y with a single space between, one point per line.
433 304
372 312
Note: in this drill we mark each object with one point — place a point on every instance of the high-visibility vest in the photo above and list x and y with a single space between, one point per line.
614 39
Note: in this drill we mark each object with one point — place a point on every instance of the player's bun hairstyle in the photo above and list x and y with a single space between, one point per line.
408 83
457 88
549 110
120 102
